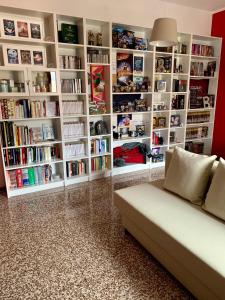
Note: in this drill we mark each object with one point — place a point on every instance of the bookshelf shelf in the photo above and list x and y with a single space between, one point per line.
76 59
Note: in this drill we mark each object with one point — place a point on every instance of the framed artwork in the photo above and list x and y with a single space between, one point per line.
24 55
175 121
22 29
9 27
35 31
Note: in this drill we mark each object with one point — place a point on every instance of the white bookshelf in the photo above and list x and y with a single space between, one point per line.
55 50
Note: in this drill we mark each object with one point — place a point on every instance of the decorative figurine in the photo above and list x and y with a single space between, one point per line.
99 39
91 38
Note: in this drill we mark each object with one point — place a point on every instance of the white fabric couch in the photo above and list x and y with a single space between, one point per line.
188 241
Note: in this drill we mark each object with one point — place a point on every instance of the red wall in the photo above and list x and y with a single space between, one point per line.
218 147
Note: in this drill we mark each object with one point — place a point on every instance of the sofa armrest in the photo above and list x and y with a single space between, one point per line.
169 154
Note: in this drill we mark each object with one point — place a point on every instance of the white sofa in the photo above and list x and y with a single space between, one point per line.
188 241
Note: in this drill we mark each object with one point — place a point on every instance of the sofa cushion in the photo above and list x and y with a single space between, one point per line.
188 175
215 200
193 238
169 155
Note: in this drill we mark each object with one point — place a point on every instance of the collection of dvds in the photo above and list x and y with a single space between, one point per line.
14 135
24 108
73 86
70 62
197 132
73 130
198 69
77 167
29 176
30 155
72 107
198 117
97 56
202 50
99 146
76 149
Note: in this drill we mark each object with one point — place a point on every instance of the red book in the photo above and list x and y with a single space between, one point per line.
19 178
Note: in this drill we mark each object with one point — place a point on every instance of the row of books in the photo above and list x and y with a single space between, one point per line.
24 108
202 50
22 156
76 149
97 56
14 135
197 68
198 117
99 146
74 168
72 107
70 62
73 86
73 129
100 163
197 132
29 176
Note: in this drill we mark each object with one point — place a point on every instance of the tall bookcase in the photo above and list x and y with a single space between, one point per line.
60 165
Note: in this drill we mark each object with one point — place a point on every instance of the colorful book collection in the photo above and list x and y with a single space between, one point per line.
100 163
14 135
29 176
198 117
72 150
73 129
197 132
202 50
99 146
74 168
70 62
24 108
97 56
72 107
23 156
73 86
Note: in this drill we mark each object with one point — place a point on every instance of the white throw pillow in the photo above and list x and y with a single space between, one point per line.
215 200
188 175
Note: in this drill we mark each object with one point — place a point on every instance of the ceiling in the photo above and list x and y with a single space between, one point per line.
211 5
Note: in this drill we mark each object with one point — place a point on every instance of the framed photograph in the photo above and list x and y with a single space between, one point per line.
175 121
25 56
38 58
161 122
155 151
22 29
140 130
161 86
124 120
35 30
9 27
12 56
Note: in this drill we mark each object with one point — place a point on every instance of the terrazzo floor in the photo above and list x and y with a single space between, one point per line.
69 244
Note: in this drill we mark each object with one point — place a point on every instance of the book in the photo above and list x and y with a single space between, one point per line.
69 33
124 68
97 83
31 176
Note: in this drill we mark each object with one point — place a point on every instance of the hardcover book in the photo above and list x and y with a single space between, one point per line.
69 33
97 83
124 68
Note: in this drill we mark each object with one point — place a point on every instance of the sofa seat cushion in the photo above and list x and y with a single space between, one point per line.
199 238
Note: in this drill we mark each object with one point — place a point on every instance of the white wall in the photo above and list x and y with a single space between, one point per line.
134 12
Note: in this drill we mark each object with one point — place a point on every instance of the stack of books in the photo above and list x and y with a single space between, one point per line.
70 62
30 155
29 176
14 135
24 108
73 130
99 146
72 150
100 163
73 86
72 107
74 168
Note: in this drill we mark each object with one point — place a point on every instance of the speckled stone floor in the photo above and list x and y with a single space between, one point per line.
69 244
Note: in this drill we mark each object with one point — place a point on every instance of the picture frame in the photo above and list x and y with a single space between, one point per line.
175 121
161 122
161 86
22 29
24 55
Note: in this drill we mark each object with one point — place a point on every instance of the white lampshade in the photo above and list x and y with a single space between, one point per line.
164 33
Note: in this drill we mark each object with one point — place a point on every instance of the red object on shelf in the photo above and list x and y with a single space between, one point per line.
218 146
129 155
